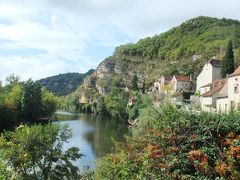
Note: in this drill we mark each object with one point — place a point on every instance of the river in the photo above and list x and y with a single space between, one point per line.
93 135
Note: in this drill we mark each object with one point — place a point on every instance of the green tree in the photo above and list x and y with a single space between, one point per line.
49 102
228 61
135 83
116 103
31 100
12 79
36 152
101 108
8 116
13 95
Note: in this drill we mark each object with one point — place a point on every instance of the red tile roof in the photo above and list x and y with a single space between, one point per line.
214 83
235 73
168 78
183 78
217 86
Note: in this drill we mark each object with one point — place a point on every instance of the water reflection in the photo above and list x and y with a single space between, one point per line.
92 134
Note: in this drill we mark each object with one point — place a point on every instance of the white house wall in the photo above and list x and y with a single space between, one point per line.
223 105
234 97
208 75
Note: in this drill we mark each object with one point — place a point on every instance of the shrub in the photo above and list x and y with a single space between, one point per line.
36 152
175 144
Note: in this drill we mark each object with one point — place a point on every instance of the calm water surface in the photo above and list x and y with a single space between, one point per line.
93 135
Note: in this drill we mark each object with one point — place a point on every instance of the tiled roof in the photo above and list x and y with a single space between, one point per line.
183 78
235 73
215 88
168 78
214 83
224 91
215 62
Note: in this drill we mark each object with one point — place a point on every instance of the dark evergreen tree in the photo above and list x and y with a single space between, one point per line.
135 83
31 100
228 61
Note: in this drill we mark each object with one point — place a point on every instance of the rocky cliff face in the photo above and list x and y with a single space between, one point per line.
182 50
110 71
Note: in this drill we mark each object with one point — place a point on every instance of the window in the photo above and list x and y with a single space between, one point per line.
236 88
225 107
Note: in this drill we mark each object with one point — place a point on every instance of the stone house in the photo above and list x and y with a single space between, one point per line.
210 72
181 84
161 82
209 94
229 96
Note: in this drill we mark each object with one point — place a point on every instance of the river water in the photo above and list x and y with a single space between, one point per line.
93 135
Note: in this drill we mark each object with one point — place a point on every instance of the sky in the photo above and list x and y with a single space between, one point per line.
41 38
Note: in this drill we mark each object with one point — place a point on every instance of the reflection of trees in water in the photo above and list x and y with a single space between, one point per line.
65 117
106 130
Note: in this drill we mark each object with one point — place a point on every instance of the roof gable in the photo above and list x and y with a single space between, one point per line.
235 73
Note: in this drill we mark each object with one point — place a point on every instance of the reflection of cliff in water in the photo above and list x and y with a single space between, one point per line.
106 131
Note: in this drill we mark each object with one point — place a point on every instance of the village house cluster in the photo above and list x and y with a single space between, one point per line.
176 87
216 94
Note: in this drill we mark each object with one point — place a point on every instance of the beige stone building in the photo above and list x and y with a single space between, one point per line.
229 97
210 72
173 84
181 84
222 95
161 82
209 94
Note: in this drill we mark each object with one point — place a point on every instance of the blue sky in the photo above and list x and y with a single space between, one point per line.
48 37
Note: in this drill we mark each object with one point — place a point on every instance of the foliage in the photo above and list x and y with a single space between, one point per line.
101 108
181 50
31 100
37 152
4 172
49 102
24 101
174 144
116 103
8 116
133 110
12 79
228 61
13 95
135 83
64 84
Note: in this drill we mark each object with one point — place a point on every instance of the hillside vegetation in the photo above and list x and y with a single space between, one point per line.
181 50
64 84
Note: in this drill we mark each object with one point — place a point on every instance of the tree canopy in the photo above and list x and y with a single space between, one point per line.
228 61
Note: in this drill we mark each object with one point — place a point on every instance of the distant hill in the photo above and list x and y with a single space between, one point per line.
63 84
181 50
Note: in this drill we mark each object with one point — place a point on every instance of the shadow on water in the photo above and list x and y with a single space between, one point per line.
92 134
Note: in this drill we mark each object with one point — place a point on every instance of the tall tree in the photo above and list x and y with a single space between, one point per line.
12 79
228 61
135 83
31 100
